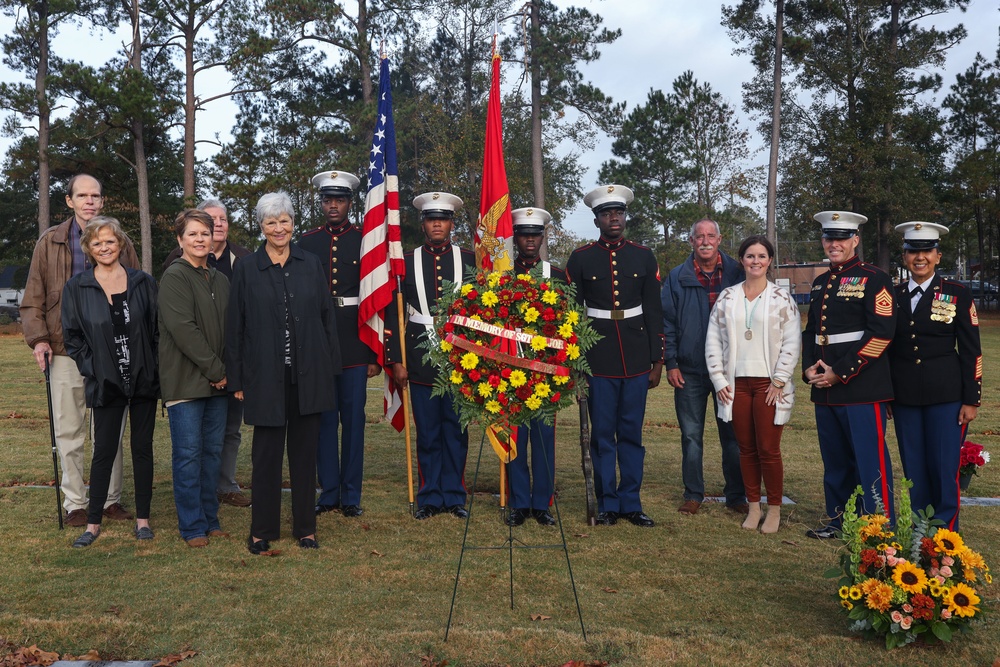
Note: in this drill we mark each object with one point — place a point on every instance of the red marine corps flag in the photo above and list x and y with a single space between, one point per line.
495 230
381 245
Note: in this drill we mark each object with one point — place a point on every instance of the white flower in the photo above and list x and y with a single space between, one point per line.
986 456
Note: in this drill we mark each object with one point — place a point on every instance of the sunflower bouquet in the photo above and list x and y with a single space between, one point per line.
917 581
510 347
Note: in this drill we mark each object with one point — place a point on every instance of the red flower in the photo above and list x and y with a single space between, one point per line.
549 330
472 295
494 380
505 372
474 375
449 327
555 397
515 408
504 312
503 399
560 356
927 547
524 392
518 296
548 314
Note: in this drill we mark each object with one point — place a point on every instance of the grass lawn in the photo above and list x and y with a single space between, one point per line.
691 591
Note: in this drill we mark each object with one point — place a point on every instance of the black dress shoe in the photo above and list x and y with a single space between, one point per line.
544 518
323 509
459 511
85 540
352 510
516 517
639 519
258 547
824 533
607 518
426 512
308 543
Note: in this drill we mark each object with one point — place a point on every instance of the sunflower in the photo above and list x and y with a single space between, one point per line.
844 592
961 600
948 542
854 593
909 577
846 605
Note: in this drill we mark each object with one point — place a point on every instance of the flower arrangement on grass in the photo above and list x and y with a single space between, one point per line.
973 457
510 347
917 581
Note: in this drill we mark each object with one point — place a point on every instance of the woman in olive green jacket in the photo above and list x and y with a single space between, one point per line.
192 311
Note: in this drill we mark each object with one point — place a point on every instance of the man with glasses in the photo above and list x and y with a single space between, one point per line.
618 283
688 296
57 258
338 245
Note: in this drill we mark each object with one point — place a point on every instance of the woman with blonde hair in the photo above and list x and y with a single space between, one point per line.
752 349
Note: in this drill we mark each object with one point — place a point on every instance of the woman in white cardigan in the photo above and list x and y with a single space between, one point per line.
752 349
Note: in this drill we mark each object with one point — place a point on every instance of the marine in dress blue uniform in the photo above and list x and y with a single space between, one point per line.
337 244
531 493
618 282
852 319
442 443
937 373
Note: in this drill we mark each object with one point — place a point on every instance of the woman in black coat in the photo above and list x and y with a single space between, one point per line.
109 325
281 355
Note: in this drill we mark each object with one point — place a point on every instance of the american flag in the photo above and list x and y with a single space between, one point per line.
381 245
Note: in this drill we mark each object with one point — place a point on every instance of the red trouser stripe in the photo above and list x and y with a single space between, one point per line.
958 489
886 500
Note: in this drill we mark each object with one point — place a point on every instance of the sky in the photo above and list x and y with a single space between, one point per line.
660 40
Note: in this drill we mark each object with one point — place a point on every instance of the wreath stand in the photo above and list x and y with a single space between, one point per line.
510 544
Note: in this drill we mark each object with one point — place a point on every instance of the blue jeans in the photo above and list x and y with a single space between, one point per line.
196 431
691 405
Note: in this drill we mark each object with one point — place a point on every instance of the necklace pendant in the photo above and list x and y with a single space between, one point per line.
748 334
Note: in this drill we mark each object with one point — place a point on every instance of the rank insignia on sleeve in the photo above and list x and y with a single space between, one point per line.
874 348
974 315
883 303
979 367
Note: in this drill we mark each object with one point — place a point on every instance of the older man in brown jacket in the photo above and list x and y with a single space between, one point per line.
57 258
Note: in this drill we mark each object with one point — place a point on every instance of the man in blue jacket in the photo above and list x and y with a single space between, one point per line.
688 297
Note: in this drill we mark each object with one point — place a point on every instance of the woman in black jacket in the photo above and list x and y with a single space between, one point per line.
109 325
281 355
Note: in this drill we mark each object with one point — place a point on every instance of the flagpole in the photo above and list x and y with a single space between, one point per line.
405 389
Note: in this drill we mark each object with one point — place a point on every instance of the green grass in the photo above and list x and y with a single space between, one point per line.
692 591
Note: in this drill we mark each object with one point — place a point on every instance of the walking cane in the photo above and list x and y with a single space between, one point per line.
588 464
52 437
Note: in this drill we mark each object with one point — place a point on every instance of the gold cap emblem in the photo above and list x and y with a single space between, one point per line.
530 211
437 195
333 174
611 189
918 226
836 216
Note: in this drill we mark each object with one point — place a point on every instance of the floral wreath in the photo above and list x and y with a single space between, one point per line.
510 348
919 580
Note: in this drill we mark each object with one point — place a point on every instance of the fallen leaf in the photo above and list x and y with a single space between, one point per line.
365 526
581 535
92 655
174 658
377 554
15 415
790 543
610 590
540 617
113 609
429 661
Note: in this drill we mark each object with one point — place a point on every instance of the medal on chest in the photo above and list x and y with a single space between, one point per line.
944 308
852 287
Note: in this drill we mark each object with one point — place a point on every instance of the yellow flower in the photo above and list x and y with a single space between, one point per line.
502 387
573 351
968 574
542 390
935 588
989 578
844 592
948 542
550 297
492 406
484 389
524 276
868 585
573 317
493 280
565 329
466 289
961 600
846 605
854 593
537 343
490 299
446 346
530 314
469 361
972 559
909 577
477 318
533 402
517 378
560 379
880 598
456 377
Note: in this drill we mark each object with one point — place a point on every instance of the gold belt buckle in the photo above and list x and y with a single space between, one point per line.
824 339
618 314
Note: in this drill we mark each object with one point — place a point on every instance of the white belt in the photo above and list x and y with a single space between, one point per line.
599 314
418 318
833 339
346 300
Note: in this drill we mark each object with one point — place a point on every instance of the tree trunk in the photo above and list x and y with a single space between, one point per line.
364 53
537 167
190 110
884 229
772 169
141 173
44 177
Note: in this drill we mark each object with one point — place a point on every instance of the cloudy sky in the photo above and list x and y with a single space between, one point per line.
660 40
